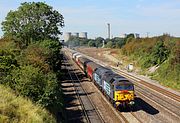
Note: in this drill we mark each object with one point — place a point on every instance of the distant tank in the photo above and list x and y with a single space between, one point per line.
67 36
83 35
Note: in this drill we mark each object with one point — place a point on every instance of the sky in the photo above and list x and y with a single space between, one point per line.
152 17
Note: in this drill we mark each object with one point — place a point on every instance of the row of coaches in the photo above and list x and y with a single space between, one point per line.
118 89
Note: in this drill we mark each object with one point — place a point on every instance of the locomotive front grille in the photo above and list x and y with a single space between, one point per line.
124 96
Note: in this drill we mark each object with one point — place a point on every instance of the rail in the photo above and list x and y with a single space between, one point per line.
82 104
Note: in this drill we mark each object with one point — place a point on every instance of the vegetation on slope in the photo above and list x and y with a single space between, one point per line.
30 56
162 51
16 109
33 73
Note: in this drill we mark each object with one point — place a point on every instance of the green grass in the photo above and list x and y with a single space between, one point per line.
16 109
168 75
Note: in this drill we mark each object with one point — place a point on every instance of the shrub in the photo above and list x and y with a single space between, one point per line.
29 81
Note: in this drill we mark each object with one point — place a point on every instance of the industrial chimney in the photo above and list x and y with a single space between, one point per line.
108 30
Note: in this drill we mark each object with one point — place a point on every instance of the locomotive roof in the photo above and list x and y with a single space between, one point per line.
116 78
101 70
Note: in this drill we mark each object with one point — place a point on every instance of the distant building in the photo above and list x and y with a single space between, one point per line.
83 35
136 35
75 34
67 36
123 35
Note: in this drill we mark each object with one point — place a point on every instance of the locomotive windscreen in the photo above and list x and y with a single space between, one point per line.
125 87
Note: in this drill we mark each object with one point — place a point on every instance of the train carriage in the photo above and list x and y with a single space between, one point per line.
77 57
74 55
73 52
91 67
82 61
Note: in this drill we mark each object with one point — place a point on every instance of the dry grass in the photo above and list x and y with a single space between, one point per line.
15 109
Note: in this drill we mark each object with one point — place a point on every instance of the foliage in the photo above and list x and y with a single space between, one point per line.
36 56
29 81
109 44
53 49
42 88
168 74
16 109
99 41
7 61
91 44
34 72
162 51
7 64
159 53
52 97
33 22
119 42
30 61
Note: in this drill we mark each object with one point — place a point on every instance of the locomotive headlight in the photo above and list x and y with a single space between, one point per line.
131 103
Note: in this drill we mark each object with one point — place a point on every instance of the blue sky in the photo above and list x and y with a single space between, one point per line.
125 16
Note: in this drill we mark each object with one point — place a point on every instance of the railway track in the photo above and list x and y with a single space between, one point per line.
164 92
169 106
166 100
124 117
90 112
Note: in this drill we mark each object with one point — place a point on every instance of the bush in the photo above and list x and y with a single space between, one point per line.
52 97
29 81
53 48
32 83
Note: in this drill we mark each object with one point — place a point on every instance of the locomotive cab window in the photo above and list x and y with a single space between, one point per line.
124 87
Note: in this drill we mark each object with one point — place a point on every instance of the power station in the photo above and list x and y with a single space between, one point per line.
68 35
83 35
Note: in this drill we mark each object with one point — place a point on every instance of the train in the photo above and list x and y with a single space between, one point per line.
117 89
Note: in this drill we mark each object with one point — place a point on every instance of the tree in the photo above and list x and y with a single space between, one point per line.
109 44
99 41
160 53
33 22
119 42
91 43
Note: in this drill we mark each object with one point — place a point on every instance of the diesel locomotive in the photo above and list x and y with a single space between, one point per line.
117 89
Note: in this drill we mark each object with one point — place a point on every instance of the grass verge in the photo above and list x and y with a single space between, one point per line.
16 109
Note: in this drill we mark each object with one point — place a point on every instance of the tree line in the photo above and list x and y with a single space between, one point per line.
99 42
30 60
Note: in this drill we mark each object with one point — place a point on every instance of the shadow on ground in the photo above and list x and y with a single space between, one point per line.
140 104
